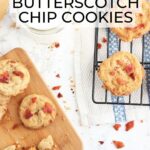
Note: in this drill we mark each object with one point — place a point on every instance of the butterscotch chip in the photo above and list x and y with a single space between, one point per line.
121 74
37 111
14 77
142 25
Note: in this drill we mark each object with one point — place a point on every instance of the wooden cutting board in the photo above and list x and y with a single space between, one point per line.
11 129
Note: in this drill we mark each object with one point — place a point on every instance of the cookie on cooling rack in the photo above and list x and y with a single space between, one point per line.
142 25
14 77
37 111
46 144
121 74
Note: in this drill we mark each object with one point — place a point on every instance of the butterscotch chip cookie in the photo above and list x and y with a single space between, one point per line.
142 25
46 144
37 111
121 74
14 77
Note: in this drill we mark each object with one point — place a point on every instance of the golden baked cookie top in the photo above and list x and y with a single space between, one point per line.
142 25
37 111
121 74
14 77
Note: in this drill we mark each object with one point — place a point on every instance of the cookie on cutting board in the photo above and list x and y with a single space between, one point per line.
14 77
37 111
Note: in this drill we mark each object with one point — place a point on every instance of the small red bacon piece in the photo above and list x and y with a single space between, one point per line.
18 73
117 126
101 142
129 125
104 40
28 114
56 87
129 68
4 77
99 45
47 108
59 95
58 75
34 99
118 144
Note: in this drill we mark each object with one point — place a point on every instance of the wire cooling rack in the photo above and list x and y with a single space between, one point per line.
141 98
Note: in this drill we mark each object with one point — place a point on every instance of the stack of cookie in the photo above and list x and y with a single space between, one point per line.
35 111
14 79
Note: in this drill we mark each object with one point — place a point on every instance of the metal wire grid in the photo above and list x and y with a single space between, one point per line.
97 63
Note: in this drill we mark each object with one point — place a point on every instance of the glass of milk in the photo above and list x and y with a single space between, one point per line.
41 20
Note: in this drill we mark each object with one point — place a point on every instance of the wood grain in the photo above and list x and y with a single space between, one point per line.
11 129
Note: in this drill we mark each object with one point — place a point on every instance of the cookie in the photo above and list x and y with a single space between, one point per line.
14 77
142 25
37 111
121 74
12 147
46 144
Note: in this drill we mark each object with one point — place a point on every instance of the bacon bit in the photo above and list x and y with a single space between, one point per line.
141 121
59 95
57 45
101 142
129 68
104 40
132 75
34 99
56 87
112 73
15 126
118 144
47 108
129 125
58 75
28 114
117 126
99 45
121 81
18 73
4 77
119 62
141 25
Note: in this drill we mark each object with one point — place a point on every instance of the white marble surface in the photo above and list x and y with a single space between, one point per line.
51 61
